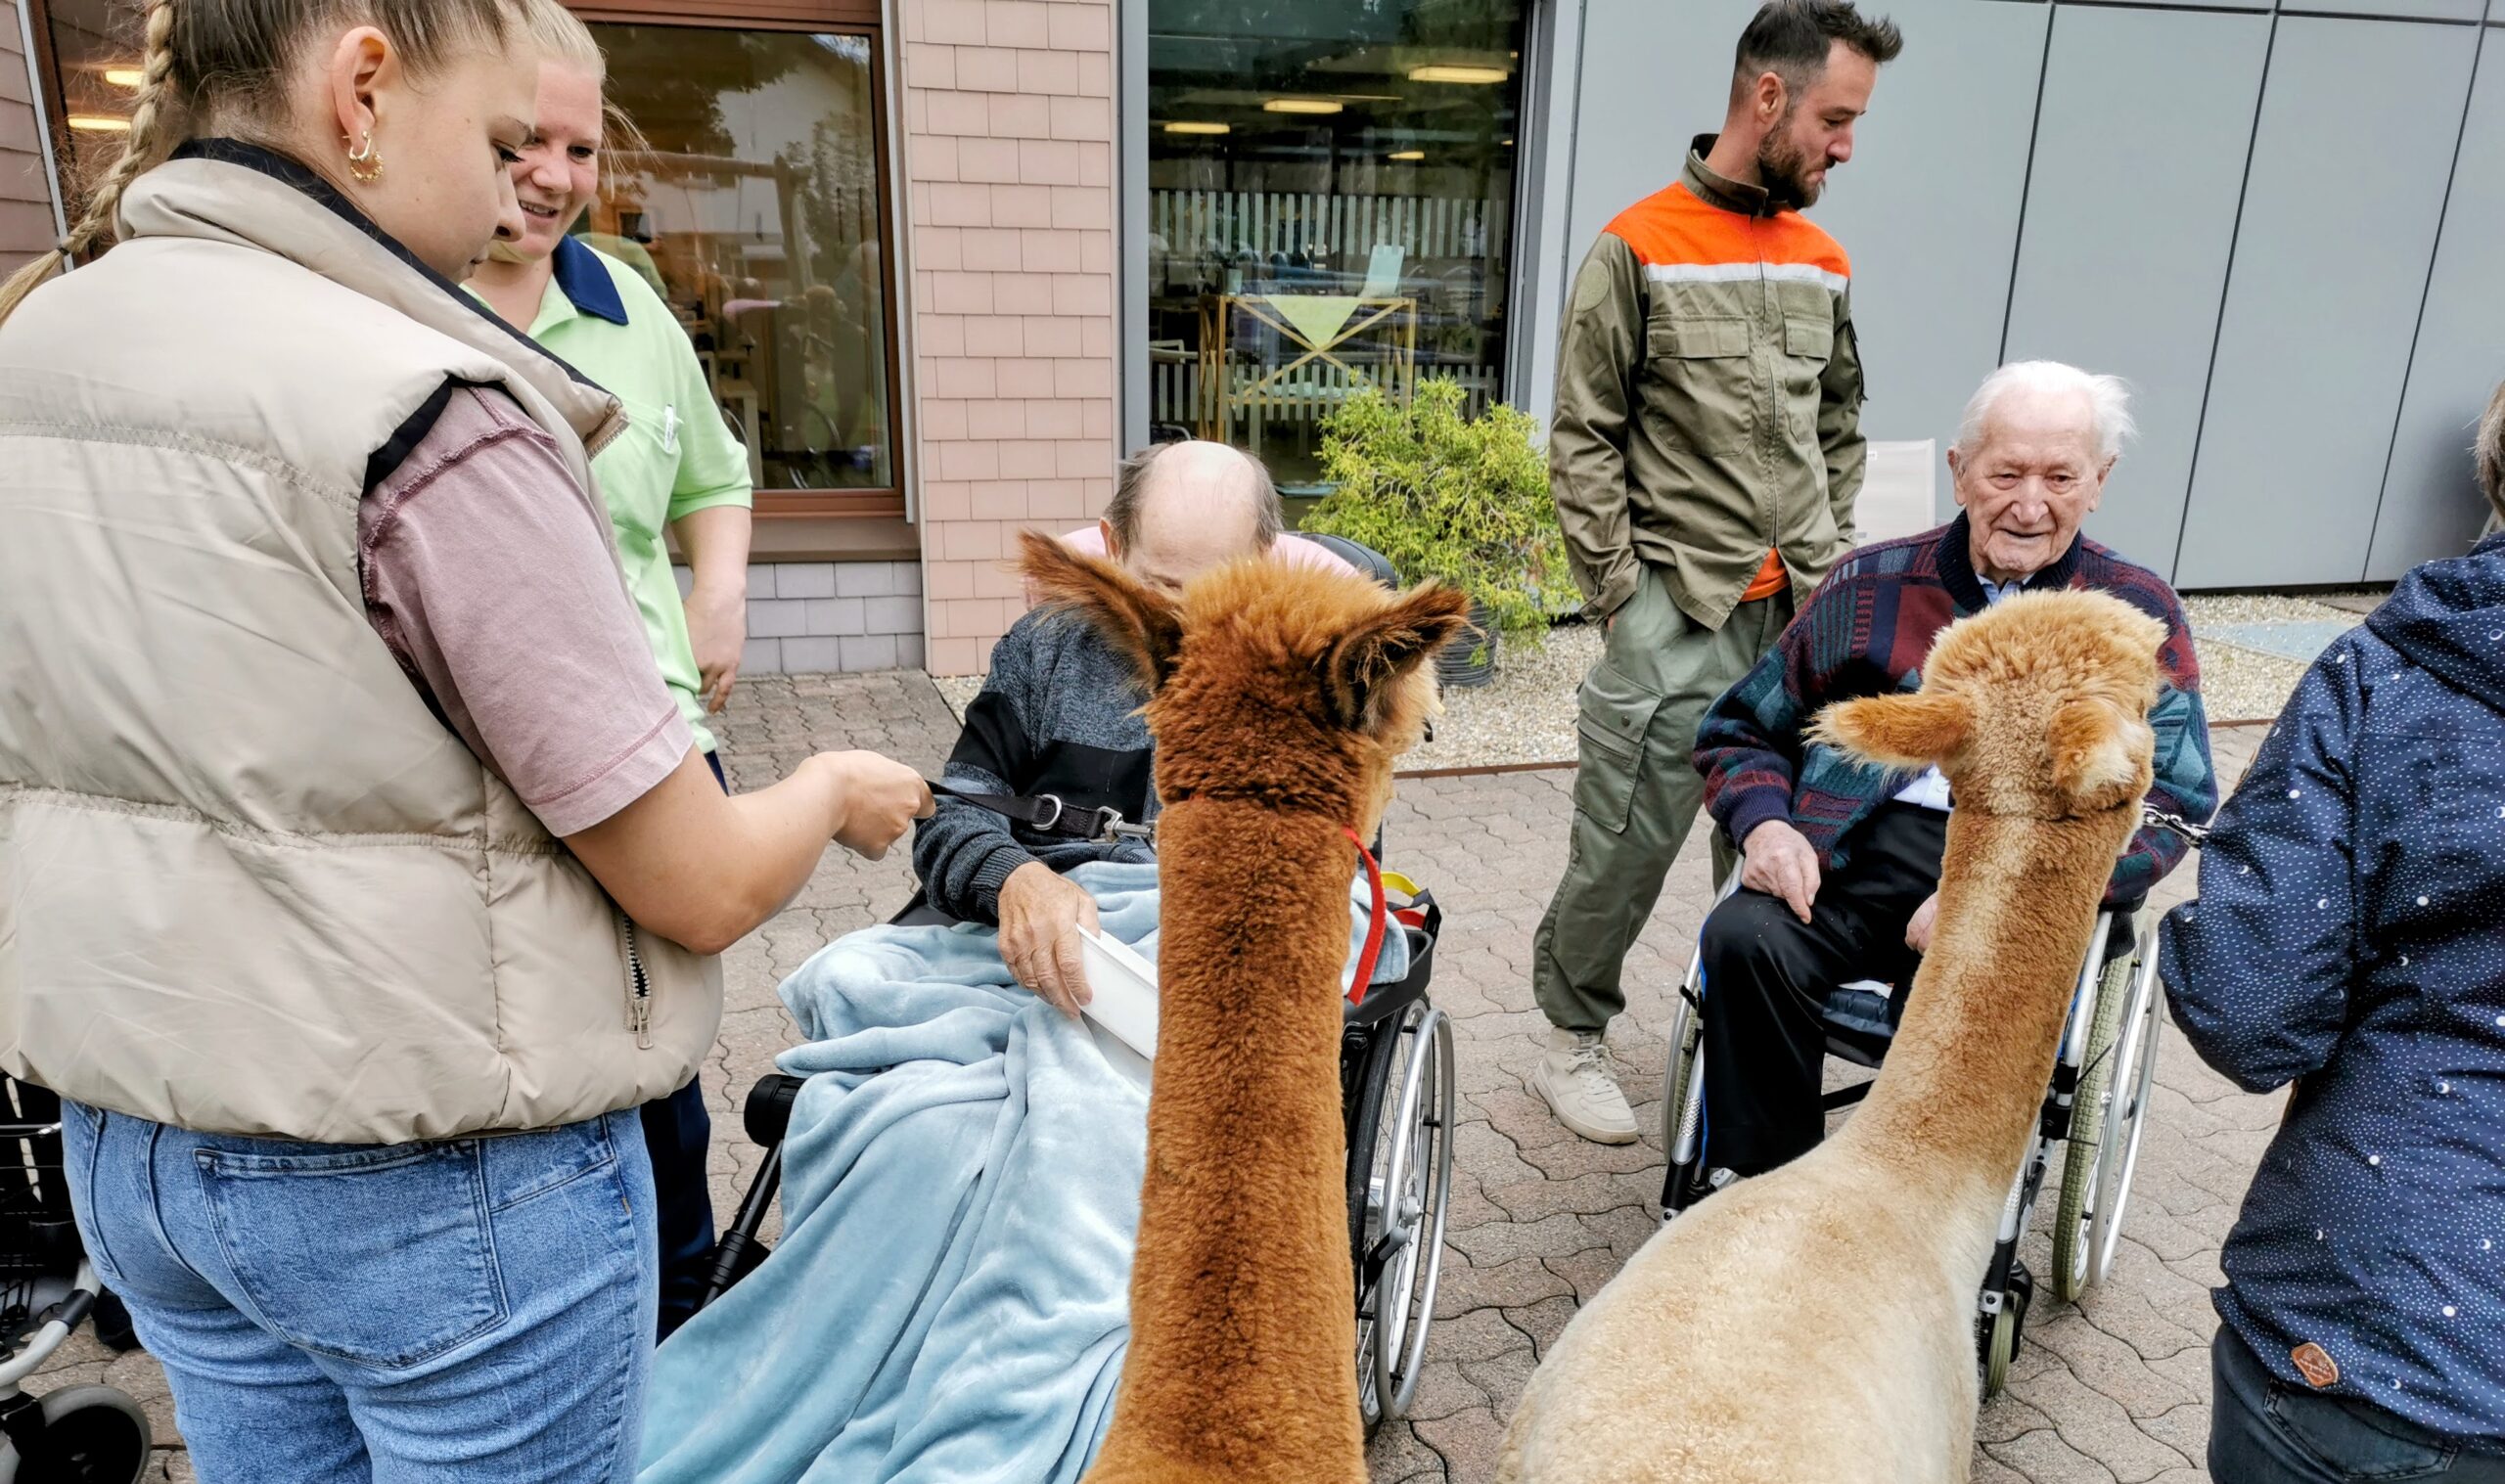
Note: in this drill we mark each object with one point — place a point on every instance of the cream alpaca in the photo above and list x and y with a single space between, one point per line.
1816 1324
1280 697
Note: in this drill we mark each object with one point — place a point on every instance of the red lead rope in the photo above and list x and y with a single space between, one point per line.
1373 948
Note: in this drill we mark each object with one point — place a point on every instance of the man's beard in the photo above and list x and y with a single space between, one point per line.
1783 168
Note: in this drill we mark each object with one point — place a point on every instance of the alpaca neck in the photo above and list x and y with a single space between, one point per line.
1241 1303
1970 1062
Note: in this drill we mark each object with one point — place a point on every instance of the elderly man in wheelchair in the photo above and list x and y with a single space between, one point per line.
1053 766
1051 776
1837 897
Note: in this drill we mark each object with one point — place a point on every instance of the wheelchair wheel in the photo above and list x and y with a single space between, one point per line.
1407 1193
91 1435
1683 1107
2000 1346
2135 1080
2092 1120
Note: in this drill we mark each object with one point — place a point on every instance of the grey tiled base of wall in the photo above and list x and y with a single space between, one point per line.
818 616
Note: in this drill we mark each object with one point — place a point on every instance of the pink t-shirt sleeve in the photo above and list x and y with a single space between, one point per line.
490 579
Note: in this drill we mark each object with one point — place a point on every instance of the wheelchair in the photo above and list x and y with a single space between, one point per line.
1397 1098
2094 1112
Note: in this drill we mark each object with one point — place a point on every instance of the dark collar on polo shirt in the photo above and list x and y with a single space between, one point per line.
585 281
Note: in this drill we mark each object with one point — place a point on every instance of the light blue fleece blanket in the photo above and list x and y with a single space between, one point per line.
949 1300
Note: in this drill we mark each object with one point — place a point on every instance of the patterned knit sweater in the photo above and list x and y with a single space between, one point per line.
1865 632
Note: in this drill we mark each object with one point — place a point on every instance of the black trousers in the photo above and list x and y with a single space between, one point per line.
678 1131
1766 974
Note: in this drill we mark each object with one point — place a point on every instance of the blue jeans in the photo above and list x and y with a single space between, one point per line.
2263 1430
453 1311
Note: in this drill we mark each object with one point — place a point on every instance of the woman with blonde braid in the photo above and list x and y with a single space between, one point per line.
358 877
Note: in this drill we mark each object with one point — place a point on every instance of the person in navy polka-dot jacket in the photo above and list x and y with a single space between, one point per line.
2349 938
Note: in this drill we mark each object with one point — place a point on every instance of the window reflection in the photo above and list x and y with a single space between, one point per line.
1330 205
755 212
96 46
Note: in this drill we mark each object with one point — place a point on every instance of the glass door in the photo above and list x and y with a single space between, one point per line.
1330 206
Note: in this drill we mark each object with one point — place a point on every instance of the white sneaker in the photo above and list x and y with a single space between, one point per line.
1576 1079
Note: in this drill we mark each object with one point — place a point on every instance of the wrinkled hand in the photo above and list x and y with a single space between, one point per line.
877 799
717 631
1040 914
1918 931
1782 863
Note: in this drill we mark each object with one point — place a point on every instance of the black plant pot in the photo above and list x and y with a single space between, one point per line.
1470 661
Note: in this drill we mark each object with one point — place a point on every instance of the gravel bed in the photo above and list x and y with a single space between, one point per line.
2205 609
958 691
2239 683
1526 714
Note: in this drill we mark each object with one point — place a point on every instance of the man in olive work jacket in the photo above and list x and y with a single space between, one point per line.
1705 457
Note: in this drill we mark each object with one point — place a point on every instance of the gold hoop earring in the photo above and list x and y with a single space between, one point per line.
365 164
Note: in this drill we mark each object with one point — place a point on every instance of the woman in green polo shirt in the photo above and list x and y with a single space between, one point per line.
676 469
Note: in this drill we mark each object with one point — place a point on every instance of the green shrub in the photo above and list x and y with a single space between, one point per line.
1444 496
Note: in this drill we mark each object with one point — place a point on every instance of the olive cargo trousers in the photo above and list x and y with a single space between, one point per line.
1636 787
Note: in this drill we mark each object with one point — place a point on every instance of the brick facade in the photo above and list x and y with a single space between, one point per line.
1009 209
812 616
26 198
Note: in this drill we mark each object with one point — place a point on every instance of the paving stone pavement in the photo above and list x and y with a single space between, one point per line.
2114 1390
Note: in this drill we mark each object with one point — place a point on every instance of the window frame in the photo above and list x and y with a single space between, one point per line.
860 18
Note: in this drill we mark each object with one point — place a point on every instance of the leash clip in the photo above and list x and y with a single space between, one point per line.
1113 828
2198 834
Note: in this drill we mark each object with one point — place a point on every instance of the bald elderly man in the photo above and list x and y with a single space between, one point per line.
1059 714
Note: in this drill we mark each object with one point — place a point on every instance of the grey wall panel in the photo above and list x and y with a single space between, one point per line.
2431 501
2130 213
2356 136
1928 207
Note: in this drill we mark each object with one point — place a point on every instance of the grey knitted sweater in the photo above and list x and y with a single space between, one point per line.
1058 714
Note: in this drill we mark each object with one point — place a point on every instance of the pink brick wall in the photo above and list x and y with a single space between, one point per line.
1009 195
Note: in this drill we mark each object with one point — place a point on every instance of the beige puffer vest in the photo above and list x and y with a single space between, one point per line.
248 882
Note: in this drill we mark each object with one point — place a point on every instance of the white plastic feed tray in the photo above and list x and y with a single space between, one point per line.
1123 1007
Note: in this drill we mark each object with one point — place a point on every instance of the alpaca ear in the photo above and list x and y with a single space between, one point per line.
1142 624
2100 753
1902 730
1362 670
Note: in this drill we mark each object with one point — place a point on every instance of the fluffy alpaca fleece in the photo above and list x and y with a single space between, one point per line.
1816 1324
1280 697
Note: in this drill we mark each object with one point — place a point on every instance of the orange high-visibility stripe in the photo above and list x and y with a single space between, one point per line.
1673 226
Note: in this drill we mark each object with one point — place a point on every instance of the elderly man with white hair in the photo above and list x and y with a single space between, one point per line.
1841 862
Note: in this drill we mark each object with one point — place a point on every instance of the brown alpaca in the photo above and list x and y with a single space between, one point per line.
1279 697
1816 1323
